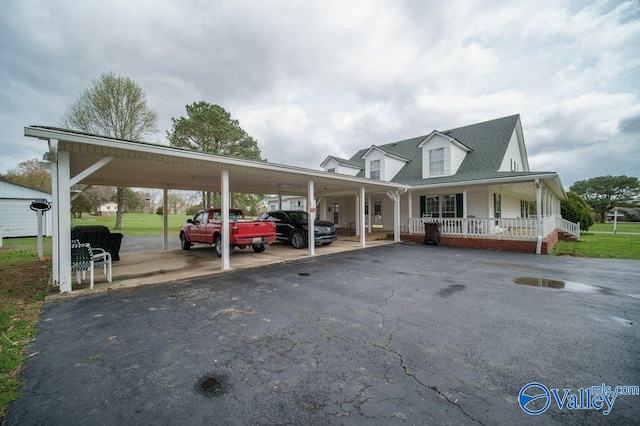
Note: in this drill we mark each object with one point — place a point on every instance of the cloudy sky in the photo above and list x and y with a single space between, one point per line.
311 78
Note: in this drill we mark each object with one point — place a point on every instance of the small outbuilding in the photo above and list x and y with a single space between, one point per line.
16 217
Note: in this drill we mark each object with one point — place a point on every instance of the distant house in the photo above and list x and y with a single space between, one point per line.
16 217
474 181
107 209
623 214
286 202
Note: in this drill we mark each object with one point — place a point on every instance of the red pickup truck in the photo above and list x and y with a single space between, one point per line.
206 228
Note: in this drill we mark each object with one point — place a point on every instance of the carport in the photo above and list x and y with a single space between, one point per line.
80 158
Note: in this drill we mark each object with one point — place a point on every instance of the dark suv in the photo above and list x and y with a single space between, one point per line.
291 228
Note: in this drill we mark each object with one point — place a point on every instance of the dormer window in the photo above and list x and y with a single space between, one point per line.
331 170
436 162
374 169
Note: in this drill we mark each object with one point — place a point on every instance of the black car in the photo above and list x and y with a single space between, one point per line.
291 227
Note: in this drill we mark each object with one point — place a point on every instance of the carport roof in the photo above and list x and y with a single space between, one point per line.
147 165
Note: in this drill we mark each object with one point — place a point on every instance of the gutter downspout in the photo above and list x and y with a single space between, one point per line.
538 217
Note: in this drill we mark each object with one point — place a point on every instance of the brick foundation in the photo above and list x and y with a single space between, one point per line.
497 244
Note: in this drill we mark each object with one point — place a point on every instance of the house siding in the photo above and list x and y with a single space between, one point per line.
512 160
391 168
346 170
477 201
340 168
457 157
331 164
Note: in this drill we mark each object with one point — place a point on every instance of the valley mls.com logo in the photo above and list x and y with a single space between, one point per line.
535 398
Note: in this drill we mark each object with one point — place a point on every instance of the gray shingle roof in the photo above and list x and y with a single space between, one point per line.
488 142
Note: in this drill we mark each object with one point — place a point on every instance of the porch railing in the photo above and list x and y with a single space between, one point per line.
568 227
512 228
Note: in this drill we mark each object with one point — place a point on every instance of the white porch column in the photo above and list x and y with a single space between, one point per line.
396 218
363 238
64 221
464 203
224 194
311 239
165 218
410 207
370 214
357 214
323 208
538 217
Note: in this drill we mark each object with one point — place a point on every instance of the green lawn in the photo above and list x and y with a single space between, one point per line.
135 224
23 282
601 245
620 227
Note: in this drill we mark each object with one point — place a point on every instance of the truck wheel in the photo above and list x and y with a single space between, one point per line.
258 248
297 240
217 246
184 243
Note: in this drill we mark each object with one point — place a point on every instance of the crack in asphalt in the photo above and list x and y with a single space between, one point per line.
407 371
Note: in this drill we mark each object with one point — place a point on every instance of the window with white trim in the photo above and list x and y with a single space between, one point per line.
374 169
449 205
436 161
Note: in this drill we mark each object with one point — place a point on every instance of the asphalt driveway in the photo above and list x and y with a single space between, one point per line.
398 334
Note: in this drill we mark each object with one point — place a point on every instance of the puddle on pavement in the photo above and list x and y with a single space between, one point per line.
211 386
560 285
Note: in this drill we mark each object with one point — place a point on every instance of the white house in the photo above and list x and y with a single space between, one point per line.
473 180
16 217
107 209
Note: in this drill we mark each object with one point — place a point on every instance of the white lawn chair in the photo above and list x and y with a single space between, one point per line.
84 258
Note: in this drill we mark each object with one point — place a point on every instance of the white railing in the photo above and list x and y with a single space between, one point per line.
517 228
568 227
512 228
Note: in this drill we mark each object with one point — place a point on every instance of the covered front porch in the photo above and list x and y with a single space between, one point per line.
516 214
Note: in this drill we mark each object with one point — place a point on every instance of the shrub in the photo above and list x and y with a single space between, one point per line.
576 209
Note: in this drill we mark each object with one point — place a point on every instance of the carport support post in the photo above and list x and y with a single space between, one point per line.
224 184
363 237
311 239
64 221
165 218
55 252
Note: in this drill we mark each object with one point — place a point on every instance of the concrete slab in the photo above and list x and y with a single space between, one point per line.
395 334
140 266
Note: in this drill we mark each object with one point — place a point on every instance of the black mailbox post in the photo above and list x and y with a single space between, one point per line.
431 233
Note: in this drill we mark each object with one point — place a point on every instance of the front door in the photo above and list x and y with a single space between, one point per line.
336 213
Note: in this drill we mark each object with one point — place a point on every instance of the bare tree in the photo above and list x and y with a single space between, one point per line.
112 106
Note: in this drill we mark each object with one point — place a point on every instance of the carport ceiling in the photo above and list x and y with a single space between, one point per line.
145 165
